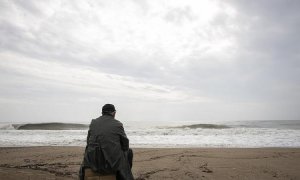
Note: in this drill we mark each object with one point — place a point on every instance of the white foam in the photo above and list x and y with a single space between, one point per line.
162 137
6 127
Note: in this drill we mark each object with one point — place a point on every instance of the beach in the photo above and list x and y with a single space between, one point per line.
157 163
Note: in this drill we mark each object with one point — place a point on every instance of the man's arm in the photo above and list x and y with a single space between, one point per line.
89 132
88 136
124 140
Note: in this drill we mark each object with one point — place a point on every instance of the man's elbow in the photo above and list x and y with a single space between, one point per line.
125 145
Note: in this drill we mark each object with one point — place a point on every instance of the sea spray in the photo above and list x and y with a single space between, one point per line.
229 134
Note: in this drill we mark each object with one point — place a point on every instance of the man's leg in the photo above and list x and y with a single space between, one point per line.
81 172
126 174
130 157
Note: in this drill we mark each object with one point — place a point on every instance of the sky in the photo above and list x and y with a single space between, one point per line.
155 60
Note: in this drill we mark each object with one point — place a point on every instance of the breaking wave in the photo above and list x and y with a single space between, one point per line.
44 126
203 126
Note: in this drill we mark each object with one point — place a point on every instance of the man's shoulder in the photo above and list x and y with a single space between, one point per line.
96 119
108 119
118 122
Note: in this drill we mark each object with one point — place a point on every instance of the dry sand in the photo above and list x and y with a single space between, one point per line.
166 163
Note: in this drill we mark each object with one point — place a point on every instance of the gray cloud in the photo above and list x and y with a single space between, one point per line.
238 60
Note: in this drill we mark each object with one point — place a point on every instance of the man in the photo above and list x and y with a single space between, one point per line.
107 150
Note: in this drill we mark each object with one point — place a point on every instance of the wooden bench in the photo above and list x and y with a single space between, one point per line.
91 175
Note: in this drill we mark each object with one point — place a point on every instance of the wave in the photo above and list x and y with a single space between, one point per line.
203 126
44 126
7 127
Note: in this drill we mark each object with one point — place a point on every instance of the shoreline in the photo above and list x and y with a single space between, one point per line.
169 147
62 162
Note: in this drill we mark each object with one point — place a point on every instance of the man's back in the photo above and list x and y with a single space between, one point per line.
109 135
107 148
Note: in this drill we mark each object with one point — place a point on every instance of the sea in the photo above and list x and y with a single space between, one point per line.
238 134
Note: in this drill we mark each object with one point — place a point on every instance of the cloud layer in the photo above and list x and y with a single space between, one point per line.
155 60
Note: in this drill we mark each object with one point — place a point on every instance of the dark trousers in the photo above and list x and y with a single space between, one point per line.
130 157
126 174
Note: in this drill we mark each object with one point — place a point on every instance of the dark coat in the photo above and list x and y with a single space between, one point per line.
106 148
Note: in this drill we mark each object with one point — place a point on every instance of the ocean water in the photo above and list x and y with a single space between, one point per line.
158 134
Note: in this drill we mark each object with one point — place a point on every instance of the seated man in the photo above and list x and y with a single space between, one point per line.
107 150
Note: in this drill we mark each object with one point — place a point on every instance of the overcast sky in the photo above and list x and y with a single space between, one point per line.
156 60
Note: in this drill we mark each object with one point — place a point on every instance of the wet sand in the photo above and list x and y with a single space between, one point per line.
166 163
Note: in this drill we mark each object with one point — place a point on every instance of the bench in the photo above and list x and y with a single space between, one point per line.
91 175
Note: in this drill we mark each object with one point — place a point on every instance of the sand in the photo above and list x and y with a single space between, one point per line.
167 163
